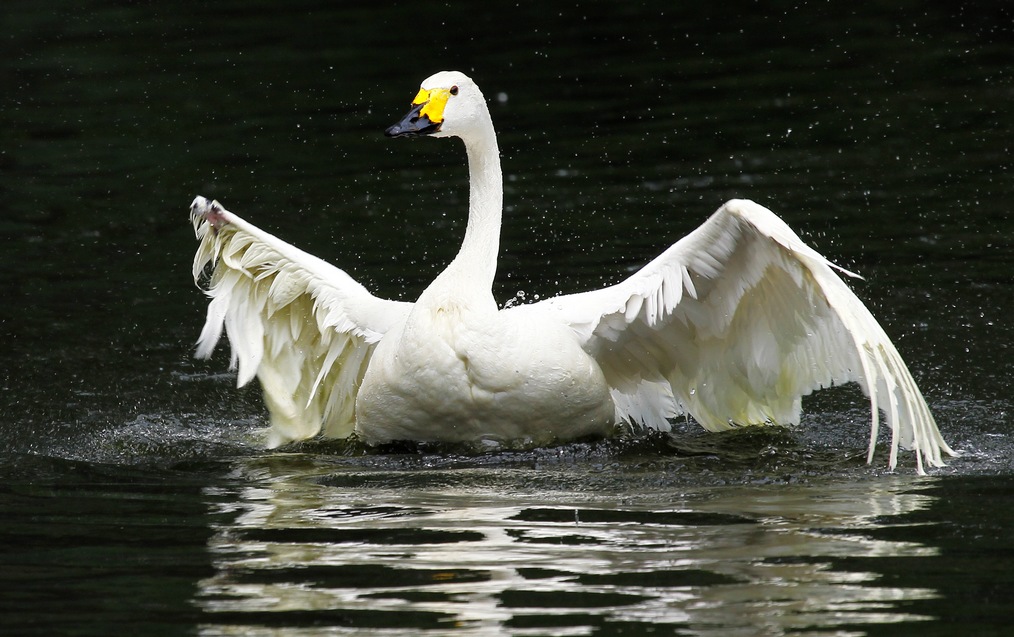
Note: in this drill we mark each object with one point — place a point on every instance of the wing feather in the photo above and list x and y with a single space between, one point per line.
734 324
304 328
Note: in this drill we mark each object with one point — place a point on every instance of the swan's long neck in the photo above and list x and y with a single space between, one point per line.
476 260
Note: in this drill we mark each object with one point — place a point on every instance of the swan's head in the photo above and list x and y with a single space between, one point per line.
448 104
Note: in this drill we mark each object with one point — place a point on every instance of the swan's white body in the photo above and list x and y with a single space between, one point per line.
733 325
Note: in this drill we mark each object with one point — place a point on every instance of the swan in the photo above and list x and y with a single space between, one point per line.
732 325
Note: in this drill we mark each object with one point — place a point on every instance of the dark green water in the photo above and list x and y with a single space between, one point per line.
134 497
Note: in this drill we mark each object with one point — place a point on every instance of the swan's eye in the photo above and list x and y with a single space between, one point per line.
454 90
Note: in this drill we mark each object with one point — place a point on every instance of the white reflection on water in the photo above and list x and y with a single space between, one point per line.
299 555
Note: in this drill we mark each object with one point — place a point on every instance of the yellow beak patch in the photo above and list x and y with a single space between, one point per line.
434 100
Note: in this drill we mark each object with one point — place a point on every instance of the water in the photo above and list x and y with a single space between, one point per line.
135 497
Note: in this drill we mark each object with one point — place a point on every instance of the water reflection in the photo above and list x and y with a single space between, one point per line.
299 551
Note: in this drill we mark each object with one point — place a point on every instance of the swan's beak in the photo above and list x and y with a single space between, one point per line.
426 116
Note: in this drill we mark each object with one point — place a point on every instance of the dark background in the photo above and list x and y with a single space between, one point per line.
880 131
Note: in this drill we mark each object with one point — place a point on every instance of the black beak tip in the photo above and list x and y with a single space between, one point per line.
412 124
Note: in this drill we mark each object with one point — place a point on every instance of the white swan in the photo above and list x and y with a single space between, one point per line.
733 325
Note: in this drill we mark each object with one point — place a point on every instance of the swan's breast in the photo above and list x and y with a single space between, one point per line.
448 374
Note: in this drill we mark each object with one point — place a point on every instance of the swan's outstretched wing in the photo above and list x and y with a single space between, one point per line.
734 324
305 328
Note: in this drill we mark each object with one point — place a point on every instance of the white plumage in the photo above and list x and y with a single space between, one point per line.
733 324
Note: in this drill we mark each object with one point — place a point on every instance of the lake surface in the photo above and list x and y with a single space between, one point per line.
136 498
